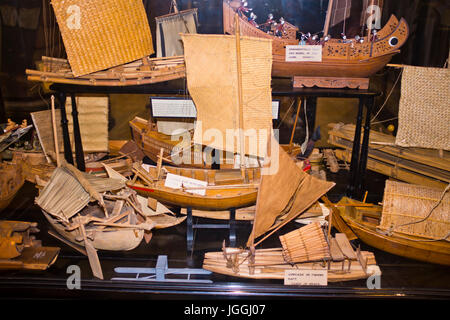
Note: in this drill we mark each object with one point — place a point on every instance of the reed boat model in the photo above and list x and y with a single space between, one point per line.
92 213
122 58
345 62
366 223
211 190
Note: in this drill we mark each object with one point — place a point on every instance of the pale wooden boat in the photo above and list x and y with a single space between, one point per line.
270 264
339 60
144 71
225 188
11 180
91 213
151 142
365 221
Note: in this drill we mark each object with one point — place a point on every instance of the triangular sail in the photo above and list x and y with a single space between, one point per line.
212 79
168 29
288 192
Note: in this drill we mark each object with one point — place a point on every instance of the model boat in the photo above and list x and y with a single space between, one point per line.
342 63
11 180
200 189
127 43
401 226
282 197
92 213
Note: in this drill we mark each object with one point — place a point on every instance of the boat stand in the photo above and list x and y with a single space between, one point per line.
160 272
191 226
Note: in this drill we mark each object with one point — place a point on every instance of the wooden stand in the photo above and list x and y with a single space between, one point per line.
191 226
330 82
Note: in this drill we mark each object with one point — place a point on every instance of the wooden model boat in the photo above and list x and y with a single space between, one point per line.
168 65
92 213
11 180
144 71
366 223
221 190
281 198
343 64
19 248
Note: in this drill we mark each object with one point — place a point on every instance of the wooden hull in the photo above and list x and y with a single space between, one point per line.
215 262
215 200
117 240
225 189
340 60
330 67
11 180
411 247
151 142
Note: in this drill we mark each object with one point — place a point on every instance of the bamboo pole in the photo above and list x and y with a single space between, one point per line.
240 97
328 18
55 133
299 104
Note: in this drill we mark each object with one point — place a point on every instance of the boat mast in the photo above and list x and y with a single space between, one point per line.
240 98
175 6
328 18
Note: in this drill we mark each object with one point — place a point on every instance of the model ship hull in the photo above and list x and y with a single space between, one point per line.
11 180
403 245
225 189
342 60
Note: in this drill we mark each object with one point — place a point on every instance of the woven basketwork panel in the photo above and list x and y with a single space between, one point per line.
102 34
405 203
424 112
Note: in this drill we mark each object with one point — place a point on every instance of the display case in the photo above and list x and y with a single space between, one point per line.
356 207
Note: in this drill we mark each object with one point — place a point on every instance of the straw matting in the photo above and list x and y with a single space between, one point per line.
424 112
405 203
102 34
211 68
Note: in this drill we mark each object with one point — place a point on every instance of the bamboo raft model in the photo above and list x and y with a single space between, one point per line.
123 57
343 64
281 198
306 248
403 225
201 189
144 71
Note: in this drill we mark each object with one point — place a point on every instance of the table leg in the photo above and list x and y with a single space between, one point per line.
232 227
189 229
364 148
65 129
79 154
354 165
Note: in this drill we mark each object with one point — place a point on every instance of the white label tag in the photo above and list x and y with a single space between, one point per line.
177 182
306 277
305 53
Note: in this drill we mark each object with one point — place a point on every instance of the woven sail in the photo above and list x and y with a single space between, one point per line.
424 110
407 207
102 34
168 29
287 193
212 80
340 11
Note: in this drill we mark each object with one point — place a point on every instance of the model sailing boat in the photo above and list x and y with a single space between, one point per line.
234 115
412 223
123 57
342 63
281 198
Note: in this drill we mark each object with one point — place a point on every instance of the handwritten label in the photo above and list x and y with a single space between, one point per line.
305 53
306 277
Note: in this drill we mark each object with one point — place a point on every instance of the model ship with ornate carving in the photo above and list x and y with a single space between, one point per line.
344 62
